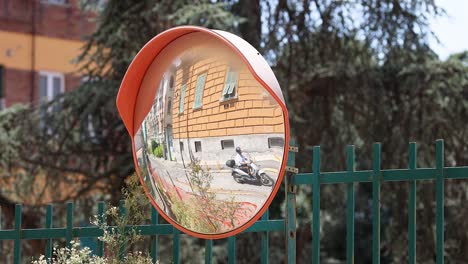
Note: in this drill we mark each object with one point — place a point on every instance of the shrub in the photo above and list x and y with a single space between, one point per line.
113 236
158 151
154 144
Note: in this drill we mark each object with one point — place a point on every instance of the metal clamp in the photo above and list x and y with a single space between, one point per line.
292 169
293 149
292 188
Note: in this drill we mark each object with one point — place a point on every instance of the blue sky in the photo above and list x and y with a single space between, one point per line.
452 30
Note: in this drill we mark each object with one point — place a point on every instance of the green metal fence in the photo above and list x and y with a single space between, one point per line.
153 230
377 176
350 177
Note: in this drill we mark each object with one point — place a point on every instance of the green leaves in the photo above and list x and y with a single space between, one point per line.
207 14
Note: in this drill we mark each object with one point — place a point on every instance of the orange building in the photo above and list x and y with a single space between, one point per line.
39 39
216 104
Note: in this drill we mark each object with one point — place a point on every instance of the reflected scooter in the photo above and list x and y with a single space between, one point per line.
241 176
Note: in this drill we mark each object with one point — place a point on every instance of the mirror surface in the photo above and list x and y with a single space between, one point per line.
211 146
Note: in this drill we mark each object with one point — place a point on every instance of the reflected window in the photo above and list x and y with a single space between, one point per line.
227 144
230 85
198 146
275 142
199 91
169 107
182 98
181 145
171 82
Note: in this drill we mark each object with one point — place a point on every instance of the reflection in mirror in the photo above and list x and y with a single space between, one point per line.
210 148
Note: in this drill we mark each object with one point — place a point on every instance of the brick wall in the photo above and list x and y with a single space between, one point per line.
51 20
254 111
17 86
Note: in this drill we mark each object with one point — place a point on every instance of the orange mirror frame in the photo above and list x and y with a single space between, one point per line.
135 98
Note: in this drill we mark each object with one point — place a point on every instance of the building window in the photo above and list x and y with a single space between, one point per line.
87 122
169 106
197 146
56 2
182 98
181 145
199 91
50 85
275 142
171 82
2 96
227 144
230 85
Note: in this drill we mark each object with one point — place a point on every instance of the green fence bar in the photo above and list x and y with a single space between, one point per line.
154 239
175 246
412 207
376 203
123 215
49 224
350 167
1 245
208 251
69 230
17 243
290 221
440 202
265 249
316 206
232 250
100 244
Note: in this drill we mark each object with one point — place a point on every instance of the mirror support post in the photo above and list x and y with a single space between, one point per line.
291 203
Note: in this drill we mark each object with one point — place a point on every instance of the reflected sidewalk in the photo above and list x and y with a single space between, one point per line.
267 162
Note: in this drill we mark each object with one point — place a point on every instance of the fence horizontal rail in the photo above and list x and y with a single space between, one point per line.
145 230
387 175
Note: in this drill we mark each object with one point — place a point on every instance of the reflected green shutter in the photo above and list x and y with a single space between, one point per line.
182 98
199 91
227 84
230 85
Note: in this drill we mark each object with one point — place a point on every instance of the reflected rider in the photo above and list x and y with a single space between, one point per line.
244 162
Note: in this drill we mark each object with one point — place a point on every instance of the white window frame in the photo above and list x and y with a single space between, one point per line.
50 87
56 2
227 87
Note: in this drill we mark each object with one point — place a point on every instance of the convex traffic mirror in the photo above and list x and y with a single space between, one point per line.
209 128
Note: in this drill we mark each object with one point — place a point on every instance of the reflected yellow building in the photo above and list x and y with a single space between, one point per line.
216 104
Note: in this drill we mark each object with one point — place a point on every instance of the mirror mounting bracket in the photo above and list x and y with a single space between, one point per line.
293 149
292 169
